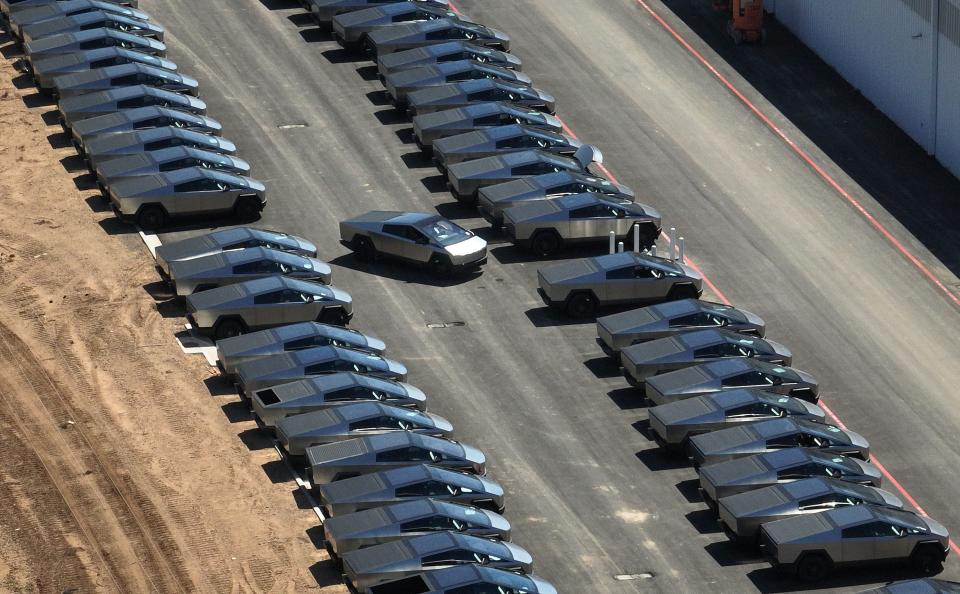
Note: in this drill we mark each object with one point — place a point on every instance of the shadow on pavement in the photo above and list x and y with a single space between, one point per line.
656 459
417 160
368 72
378 98
690 489
911 185
704 521
627 398
404 134
544 317
455 210
435 184
341 56
406 273
302 19
770 580
391 116
315 35
280 4
603 367
643 428
511 254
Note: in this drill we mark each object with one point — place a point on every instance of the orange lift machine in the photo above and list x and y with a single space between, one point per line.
746 19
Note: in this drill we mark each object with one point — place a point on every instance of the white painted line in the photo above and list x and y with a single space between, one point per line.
151 241
192 344
302 484
627 577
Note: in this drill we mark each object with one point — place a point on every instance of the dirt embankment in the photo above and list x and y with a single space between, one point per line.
120 471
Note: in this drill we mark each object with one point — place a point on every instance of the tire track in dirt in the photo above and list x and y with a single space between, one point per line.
124 532
32 508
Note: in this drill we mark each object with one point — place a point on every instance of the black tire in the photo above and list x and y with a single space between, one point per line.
440 265
151 218
335 316
582 305
491 506
247 208
648 237
228 329
468 199
682 292
546 243
365 250
927 559
366 46
813 567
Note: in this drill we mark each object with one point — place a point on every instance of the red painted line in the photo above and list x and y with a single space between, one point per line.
720 295
609 175
886 473
606 172
803 155
836 186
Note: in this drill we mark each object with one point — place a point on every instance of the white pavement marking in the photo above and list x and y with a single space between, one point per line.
192 343
151 241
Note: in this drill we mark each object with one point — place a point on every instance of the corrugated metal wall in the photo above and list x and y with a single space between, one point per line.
948 87
891 51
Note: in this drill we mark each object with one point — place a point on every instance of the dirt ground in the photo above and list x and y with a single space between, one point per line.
124 465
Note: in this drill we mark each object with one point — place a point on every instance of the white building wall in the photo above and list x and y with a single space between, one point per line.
882 47
902 58
948 87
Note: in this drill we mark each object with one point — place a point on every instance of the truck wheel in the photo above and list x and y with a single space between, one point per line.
813 567
152 218
228 329
546 243
678 292
440 266
468 199
334 316
367 47
927 559
365 250
582 305
248 208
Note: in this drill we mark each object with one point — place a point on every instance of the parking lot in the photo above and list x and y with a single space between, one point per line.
589 494
762 157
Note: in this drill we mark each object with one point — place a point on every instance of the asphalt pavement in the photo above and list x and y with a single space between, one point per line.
592 498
